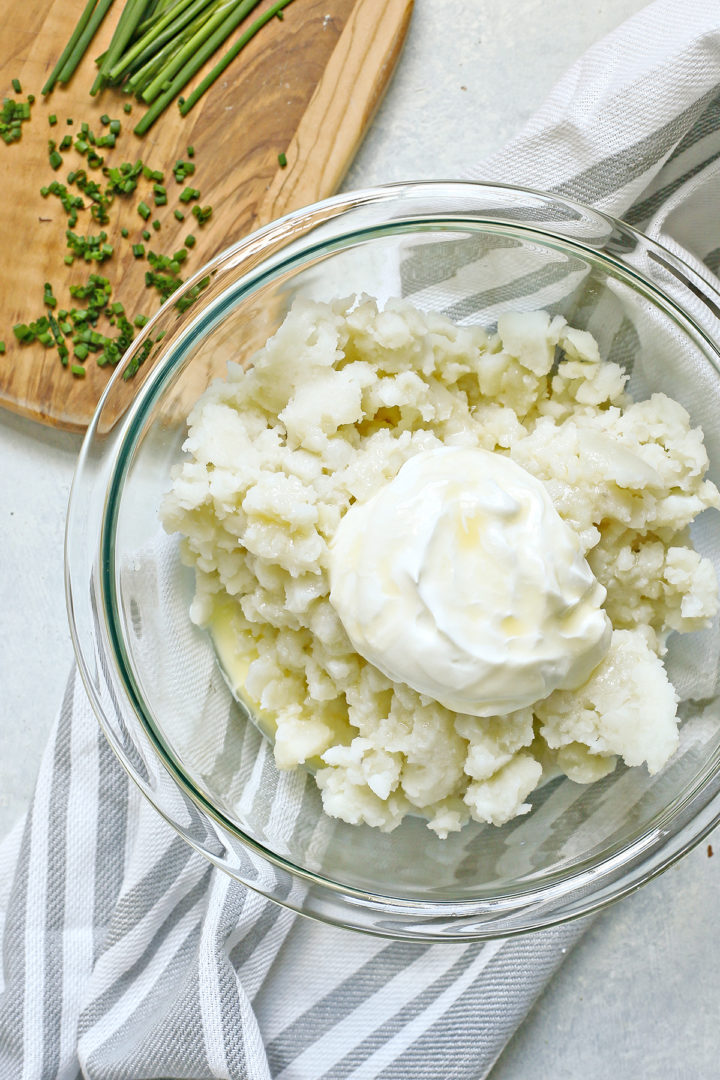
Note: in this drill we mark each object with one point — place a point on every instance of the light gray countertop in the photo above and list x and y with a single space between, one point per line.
638 998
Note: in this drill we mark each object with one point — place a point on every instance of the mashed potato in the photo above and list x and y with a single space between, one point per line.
332 407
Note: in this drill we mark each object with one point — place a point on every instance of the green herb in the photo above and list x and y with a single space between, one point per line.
124 233
282 160
68 50
138 250
16 86
127 107
197 93
2 347
179 215
182 169
130 19
156 225
145 234
144 210
52 119
189 194
77 370
158 46
190 241
14 114
189 59
140 321
90 248
202 213
191 151
55 159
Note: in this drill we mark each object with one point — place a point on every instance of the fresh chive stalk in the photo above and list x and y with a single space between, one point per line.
131 16
80 47
191 58
158 33
74 38
230 55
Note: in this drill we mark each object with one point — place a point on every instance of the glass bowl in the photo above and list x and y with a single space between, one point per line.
470 251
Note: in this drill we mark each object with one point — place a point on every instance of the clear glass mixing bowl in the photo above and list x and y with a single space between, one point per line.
470 251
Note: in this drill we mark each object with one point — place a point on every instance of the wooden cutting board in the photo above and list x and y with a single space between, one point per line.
306 87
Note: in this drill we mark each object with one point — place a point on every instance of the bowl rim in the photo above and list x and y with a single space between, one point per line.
653 842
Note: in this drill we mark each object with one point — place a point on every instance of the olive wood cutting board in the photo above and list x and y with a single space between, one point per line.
306 87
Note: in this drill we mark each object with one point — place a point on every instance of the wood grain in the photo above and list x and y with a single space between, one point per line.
307 87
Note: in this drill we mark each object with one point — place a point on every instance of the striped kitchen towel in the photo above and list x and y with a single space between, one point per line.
125 954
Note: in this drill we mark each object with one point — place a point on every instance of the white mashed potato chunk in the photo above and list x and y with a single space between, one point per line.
626 709
331 408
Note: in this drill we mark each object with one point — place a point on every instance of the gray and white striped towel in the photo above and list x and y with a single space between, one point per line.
126 955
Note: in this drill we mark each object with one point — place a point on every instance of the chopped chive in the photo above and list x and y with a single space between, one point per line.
78 370
145 234
124 232
202 213
189 194
127 107
2 347
144 210
140 321
190 240
69 121
16 86
282 160
55 160
179 215
156 225
138 250
52 119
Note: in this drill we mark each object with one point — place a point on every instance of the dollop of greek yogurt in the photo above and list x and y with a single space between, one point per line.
460 579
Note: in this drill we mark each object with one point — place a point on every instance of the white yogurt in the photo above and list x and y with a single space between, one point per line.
460 579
